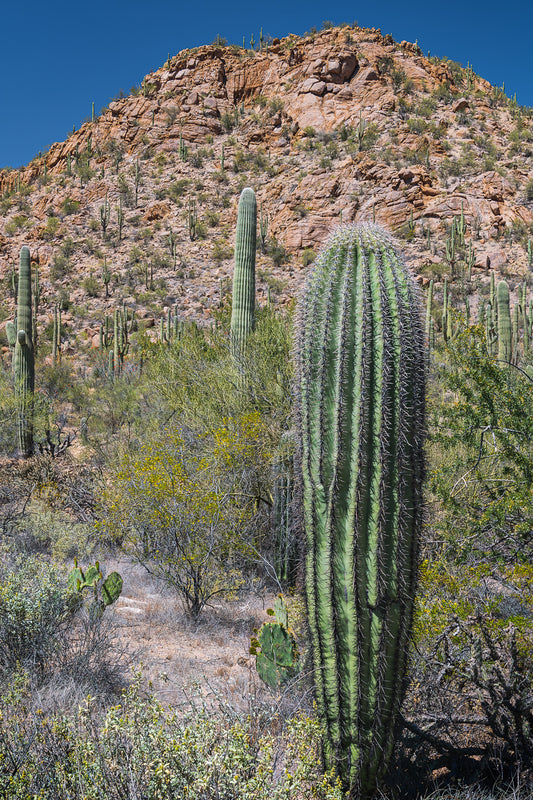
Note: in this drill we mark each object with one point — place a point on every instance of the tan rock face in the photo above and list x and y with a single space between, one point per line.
344 126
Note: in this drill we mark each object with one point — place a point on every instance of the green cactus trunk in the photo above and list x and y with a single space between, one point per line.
243 307
24 364
504 323
361 365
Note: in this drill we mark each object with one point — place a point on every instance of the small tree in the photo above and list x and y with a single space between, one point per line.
180 518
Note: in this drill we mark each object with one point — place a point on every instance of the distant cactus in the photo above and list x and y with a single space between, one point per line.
243 305
361 376
429 309
84 430
504 323
286 551
24 361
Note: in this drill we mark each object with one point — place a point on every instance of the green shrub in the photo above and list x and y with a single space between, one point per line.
35 611
139 748
308 256
70 206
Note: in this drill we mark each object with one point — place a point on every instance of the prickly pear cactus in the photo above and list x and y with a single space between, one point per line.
275 648
104 591
111 588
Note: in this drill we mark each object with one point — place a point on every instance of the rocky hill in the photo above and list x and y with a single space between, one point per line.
139 204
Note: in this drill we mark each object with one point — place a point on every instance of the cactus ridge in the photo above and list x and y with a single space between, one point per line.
361 364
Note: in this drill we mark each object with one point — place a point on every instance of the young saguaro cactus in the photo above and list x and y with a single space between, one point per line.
361 384
24 363
243 308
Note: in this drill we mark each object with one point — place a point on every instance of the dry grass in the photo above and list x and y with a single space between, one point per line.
180 657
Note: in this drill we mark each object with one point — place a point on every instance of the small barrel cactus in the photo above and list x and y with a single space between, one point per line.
361 379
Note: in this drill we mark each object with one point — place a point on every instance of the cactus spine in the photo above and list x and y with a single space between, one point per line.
361 375
243 307
24 358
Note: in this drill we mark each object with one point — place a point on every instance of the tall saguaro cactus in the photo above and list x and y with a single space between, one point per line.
243 308
24 369
504 323
361 376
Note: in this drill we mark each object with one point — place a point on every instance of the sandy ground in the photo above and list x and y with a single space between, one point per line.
180 657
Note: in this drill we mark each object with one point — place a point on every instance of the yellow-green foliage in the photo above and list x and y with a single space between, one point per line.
462 591
181 509
481 454
141 748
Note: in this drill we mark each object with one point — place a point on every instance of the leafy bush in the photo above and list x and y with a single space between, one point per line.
483 462
46 630
34 614
141 749
472 664
175 509
70 206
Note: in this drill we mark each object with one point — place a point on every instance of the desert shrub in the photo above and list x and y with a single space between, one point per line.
139 748
308 256
35 612
177 516
70 206
473 667
91 285
50 530
483 455
8 416
53 635
191 499
222 250
277 252
59 267
472 662
51 227
177 189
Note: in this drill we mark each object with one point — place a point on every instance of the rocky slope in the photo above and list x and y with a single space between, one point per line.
344 125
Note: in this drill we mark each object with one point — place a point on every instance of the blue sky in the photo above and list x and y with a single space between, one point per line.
56 58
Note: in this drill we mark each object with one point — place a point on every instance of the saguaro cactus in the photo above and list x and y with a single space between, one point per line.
504 323
24 364
243 308
361 376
